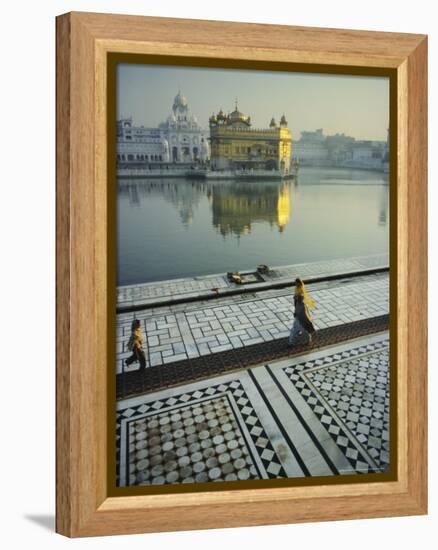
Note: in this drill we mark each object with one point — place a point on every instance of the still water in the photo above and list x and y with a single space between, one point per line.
171 228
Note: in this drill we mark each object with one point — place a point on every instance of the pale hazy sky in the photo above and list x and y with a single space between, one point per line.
355 105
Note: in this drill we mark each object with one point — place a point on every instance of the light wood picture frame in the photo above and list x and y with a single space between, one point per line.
86 506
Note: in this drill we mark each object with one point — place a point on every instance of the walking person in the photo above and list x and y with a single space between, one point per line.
135 344
302 322
301 289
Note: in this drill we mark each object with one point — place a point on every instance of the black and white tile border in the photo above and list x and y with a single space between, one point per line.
265 462
349 393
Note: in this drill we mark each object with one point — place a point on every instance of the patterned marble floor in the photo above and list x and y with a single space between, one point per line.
191 330
319 414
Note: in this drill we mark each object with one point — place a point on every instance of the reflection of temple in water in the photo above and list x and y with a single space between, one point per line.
237 206
183 195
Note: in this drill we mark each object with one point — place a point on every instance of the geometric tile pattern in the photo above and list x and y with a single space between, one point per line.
349 393
197 443
192 330
168 289
211 434
322 413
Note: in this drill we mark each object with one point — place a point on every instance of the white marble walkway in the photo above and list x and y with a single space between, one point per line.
200 287
174 333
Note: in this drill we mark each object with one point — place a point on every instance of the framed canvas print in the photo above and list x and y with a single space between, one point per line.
241 274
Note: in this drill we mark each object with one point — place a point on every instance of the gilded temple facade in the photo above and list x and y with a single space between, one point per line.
235 145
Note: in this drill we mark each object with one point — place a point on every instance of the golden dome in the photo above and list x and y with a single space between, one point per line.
237 116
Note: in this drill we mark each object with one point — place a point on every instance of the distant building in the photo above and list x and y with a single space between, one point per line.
367 154
311 148
339 148
236 145
139 145
178 140
316 149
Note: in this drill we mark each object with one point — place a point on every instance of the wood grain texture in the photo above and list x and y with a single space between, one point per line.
228 39
63 410
417 273
400 157
83 41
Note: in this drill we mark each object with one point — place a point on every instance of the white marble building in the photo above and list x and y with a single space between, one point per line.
187 141
137 144
178 140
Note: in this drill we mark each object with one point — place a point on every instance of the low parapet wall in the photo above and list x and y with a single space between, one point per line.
169 292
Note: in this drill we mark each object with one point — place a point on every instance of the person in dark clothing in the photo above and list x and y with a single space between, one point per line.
302 322
135 344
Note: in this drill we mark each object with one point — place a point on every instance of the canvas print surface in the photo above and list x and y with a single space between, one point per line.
252 309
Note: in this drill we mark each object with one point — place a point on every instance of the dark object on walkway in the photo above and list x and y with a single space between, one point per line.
189 370
264 269
245 278
234 277
241 289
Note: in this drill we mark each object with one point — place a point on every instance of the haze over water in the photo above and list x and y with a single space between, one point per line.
355 105
173 228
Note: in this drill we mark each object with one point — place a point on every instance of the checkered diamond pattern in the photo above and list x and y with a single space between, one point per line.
349 393
206 442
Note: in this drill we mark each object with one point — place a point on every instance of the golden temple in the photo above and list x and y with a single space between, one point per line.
236 145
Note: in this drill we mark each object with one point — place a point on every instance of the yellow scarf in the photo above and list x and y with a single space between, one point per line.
301 289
